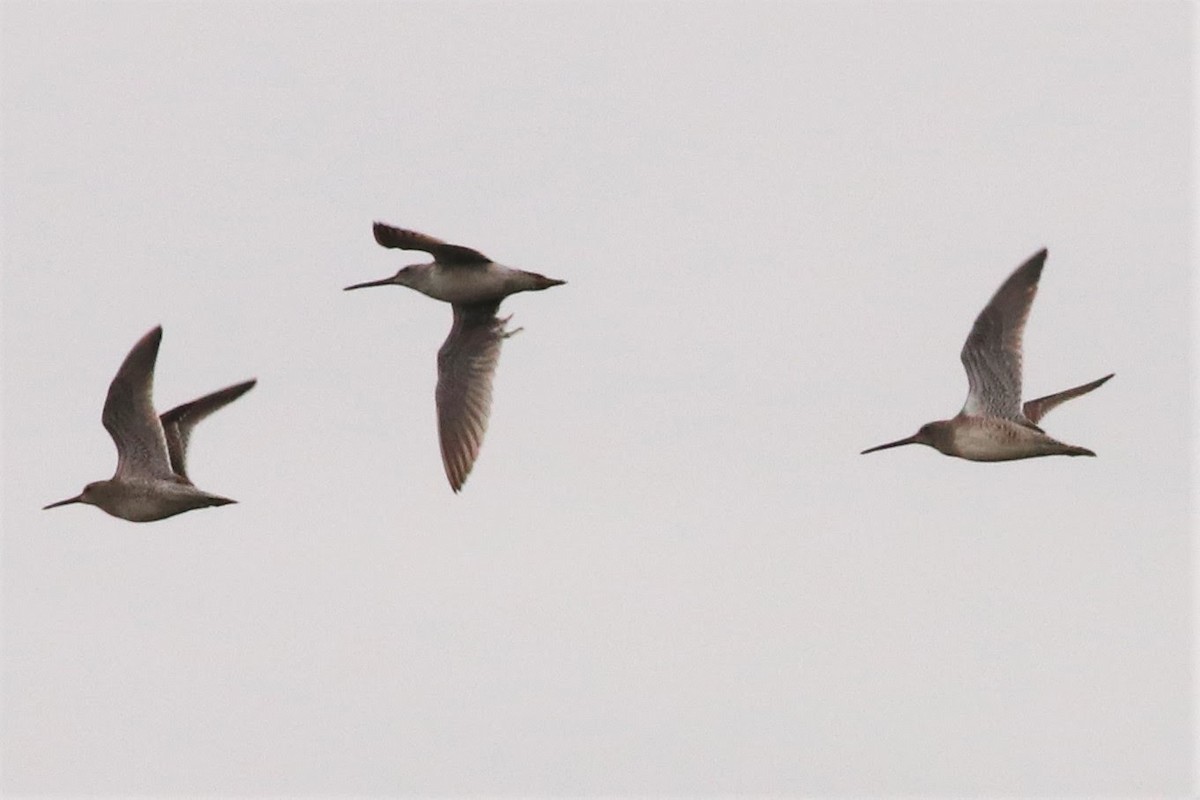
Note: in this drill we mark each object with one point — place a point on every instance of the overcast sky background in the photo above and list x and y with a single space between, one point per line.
670 571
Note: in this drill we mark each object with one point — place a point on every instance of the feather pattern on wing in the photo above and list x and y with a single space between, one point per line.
179 421
466 364
1036 409
129 415
992 352
443 253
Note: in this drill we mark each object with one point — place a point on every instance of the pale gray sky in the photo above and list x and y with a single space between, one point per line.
671 571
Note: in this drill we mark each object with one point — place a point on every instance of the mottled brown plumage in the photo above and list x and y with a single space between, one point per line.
993 425
150 482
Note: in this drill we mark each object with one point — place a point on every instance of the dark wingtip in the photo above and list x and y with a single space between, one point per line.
239 389
383 233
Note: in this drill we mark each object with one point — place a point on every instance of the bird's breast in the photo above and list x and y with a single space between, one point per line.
468 285
993 439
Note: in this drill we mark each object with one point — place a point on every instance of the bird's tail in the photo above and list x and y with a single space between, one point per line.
542 282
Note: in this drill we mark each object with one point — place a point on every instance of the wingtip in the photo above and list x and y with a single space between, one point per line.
382 233
146 347
235 391
239 389
456 479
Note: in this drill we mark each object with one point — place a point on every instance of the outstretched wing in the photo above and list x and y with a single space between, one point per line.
179 421
466 363
992 352
1036 409
129 414
443 253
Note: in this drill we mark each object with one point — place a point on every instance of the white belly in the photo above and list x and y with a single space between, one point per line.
1000 440
468 285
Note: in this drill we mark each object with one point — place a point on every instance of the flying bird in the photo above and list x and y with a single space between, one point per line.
473 285
993 425
151 481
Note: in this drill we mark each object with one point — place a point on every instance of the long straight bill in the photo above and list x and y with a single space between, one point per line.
897 443
382 282
68 501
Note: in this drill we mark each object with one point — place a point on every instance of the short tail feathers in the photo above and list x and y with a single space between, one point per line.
1034 410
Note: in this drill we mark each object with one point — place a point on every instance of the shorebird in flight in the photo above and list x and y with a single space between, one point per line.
474 285
151 481
993 425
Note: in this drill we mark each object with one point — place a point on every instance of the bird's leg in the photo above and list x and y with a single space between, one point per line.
506 334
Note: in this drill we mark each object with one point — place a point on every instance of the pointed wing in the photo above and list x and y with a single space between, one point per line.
992 352
129 414
466 363
451 254
179 421
1036 409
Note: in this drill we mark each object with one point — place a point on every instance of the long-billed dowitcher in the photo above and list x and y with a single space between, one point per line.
474 285
993 425
151 481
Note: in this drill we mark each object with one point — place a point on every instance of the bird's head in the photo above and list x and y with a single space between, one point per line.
90 495
937 435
